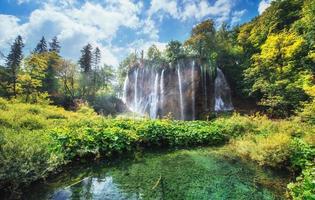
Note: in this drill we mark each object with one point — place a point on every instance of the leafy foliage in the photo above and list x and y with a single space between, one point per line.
277 74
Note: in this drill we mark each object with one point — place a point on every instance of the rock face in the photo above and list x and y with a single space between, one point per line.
185 90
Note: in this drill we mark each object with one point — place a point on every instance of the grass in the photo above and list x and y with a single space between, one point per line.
36 140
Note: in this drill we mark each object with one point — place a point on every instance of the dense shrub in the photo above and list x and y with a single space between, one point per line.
304 187
272 150
25 156
302 154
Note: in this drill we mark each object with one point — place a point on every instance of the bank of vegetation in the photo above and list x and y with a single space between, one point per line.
38 140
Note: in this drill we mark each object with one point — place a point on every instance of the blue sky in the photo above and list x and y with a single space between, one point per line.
118 27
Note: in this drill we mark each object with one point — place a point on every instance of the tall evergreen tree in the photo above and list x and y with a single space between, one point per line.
86 59
97 58
54 45
86 63
41 47
96 69
13 63
50 81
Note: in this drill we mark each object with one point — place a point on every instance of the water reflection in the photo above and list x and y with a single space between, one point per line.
93 188
184 174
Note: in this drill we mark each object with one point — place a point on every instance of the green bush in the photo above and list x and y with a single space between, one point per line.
31 123
25 156
302 154
304 187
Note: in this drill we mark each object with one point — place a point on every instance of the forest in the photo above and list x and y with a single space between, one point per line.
57 113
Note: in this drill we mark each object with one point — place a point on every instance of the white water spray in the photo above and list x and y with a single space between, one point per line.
124 99
135 105
180 93
155 98
193 95
162 89
222 93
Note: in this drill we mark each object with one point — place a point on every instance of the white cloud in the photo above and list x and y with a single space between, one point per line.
75 26
9 27
263 5
168 6
145 45
236 16
56 2
193 9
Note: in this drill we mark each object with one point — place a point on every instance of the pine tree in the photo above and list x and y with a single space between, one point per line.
41 47
13 63
50 82
86 59
97 58
96 69
54 45
86 62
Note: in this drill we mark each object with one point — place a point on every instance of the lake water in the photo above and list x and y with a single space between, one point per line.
204 173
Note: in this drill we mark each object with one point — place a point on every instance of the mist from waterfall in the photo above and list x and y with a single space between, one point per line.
180 93
162 89
193 95
155 98
124 98
135 105
222 93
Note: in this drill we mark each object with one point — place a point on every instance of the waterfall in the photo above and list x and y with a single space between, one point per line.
155 98
193 95
180 93
135 104
124 99
162 89
222 93
182 90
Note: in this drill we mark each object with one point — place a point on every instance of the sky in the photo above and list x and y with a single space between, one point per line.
117 27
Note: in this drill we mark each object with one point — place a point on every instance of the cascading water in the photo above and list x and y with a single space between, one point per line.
162 88
159 90
155 98
135 105
124 99
193 94
180 93
222 93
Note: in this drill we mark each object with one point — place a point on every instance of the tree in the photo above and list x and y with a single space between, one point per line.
13 63
32 76
50 80
41 47
86 62
96 69
173 50
54 45
154 54
86 58
202 39
69 78
124 67
3 81
277 74
107 75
